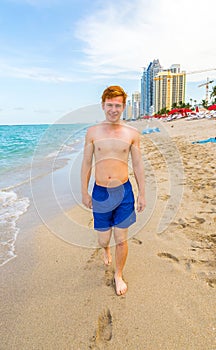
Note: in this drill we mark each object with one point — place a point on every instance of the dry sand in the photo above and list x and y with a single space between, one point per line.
55 295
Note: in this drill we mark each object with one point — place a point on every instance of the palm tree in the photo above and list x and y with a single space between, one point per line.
204 104
195 101
163 111
213 94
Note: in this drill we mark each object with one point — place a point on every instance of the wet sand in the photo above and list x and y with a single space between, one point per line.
56 295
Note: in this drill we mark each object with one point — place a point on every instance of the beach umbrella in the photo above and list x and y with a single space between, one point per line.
145 117
182 111
212 108
173 111
163 116
188 110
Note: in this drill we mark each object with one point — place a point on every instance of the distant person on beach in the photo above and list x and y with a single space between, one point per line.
110 143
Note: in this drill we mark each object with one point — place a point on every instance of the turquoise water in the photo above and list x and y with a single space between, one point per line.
18 144
28 153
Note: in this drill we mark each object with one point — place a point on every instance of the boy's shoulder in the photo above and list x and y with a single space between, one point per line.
94 127
132 129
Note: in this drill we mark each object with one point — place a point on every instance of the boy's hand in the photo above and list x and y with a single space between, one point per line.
141 203
87 201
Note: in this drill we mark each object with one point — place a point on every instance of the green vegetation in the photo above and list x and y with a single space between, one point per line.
174 106
190 105
204 104
213 95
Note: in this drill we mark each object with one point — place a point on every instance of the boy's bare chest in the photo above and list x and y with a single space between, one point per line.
112 144
112 141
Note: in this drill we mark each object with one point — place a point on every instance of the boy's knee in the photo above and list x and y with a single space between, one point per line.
121 243
103 241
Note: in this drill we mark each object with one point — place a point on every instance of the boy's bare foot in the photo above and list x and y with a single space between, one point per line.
121 286
107 256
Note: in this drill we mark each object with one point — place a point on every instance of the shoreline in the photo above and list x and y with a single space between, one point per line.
58 295
37 199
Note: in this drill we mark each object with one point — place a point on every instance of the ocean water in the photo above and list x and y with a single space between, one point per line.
27 154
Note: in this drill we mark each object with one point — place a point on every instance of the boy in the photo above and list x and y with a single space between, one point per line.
112 201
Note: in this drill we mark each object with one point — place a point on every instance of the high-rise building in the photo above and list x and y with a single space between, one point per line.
136 105
147 87
169 88
175 68
127 114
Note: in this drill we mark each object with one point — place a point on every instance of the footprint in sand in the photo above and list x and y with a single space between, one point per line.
182 223
199 220
103 332
211 282
109 275
164 197
136 241
169 256
93 257
104 329
90 223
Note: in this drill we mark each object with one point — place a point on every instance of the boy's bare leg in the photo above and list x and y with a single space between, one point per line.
120 236
103 240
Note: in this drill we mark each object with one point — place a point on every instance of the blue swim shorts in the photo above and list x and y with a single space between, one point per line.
113 206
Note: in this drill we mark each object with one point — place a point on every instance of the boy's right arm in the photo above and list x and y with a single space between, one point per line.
86 169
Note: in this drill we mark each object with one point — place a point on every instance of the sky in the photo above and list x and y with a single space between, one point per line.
57 56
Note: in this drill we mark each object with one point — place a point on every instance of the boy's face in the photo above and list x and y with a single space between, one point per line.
113 108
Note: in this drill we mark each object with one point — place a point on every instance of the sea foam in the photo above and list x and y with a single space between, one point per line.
11 208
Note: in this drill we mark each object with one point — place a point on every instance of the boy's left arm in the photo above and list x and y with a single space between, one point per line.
138 169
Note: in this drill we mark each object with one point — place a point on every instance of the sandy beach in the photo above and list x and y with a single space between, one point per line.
57 295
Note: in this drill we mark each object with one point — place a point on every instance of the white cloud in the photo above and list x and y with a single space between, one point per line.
20 70
120 37
123 36
36 73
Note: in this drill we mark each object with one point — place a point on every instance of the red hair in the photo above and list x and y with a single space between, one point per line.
114 91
